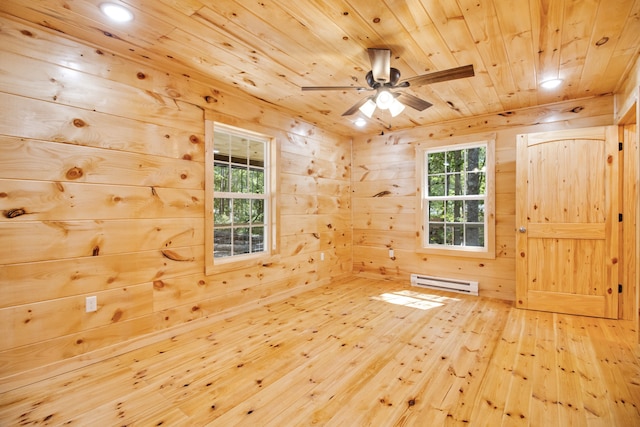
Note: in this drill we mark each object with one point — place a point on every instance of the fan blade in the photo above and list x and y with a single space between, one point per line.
358 88
380 64
442 76
413 101
356 107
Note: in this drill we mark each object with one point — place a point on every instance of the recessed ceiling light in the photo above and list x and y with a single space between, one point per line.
551 84
360 122
116 12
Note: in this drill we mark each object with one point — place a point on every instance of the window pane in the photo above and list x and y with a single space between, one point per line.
256 153
475 183
436 234
257 239
241 213
239 179
240 149
436 185
257 211
241 240
455 185
455 161
474 235
221 147
222 211
474 211
455 211
220 177
476 159
221 242
256 181
454 234
436 211
435 163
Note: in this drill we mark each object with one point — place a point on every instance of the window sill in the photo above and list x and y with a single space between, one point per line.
222 265
461 252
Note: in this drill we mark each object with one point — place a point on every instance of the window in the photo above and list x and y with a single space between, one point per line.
239 190
457 199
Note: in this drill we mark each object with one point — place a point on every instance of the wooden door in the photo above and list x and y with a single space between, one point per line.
566 220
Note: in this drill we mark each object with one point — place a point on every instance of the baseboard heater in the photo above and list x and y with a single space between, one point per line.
439 283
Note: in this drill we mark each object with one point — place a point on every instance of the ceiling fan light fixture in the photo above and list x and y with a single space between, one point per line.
368 108
396 107
116 12
385 99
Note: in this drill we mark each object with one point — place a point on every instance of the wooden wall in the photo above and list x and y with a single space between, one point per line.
384 193
102 193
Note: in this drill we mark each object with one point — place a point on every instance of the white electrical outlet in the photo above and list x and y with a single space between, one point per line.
391 253
321 256
91 304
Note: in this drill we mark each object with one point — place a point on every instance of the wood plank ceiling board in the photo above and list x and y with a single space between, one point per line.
268 51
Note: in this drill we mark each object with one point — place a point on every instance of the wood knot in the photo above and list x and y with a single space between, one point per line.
158 284
3 195
141 75
117 315
74 173
194 139
14 213
95 251
183 176
376 20
210 99
26 33
186 157
79 123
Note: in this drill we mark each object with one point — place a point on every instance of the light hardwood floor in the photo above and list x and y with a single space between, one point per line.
357 353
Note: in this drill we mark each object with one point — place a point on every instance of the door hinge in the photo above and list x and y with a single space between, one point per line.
619 217
619 288
620 146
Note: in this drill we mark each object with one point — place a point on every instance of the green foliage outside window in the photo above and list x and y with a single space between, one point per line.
240 199
455 197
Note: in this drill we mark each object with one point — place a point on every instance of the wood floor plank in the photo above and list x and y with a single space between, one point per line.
357 352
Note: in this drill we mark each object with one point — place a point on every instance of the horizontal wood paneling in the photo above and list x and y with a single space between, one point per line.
92 129
385 197
102 194
45 160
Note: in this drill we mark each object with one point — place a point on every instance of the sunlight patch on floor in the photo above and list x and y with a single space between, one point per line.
414 299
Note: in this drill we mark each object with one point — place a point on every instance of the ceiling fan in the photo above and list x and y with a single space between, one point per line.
382 78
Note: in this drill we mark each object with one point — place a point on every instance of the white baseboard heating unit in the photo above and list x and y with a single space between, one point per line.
439 283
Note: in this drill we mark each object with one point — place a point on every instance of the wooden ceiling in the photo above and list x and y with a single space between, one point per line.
271 48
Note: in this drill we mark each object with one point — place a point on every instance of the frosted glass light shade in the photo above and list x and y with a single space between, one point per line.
384 100
396 107
368 108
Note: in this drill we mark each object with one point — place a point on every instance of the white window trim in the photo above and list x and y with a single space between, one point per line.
422 148
216 265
